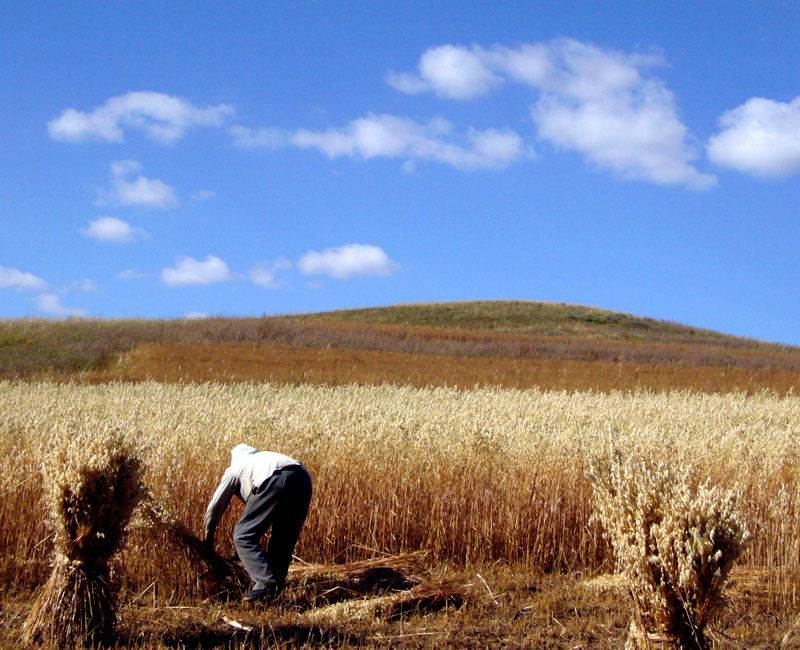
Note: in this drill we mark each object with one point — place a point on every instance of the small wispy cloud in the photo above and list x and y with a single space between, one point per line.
389 136
266 275
348 261
449 71
162 117
262 138
111 229
15 279
761 137
50 304
197 315
86 286
189 271
130 188
129 274
203 195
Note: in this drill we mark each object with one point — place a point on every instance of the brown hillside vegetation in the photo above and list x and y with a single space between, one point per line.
511 344
236 362
525 317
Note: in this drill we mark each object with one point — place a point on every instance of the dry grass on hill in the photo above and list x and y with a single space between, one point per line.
226 362
510 344
503 330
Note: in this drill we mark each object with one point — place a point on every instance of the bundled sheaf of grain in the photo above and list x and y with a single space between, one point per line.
93 488
221 577
675 544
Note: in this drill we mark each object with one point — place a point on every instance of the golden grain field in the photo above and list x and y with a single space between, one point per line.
474 476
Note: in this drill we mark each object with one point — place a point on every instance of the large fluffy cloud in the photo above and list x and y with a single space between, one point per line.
130 188
113 230
16 279
162 117
189 271
598 102
760 137
389 136
348 261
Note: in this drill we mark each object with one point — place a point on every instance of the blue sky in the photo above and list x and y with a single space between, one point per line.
171 159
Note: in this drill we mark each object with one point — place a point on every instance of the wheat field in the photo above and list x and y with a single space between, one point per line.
474 476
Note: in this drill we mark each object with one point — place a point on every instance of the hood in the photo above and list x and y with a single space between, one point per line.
239 451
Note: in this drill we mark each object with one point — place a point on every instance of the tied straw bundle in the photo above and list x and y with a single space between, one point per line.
223 578
675 544
93 486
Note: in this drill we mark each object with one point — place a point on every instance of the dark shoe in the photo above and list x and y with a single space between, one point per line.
262 595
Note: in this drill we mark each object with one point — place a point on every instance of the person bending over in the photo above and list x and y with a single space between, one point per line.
276 491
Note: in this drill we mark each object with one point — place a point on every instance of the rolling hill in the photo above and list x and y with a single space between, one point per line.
508 343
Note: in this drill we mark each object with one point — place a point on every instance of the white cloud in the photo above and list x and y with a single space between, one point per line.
129 274
204 195
50 303
263 138
407 82
128 189
113 230
162 117
594 101
190 271
760 137
347 261
500 146
197 315
449 71
530 64
16 279
266 275
86 286
389 136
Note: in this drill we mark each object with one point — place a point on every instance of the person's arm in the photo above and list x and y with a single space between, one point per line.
219 503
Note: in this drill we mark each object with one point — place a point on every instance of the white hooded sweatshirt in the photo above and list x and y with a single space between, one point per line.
249 469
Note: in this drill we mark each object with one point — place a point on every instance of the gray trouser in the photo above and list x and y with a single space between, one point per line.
281 502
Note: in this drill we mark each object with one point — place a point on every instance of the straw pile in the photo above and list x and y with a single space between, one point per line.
791 640
427 596
222 578
311 586
92 489
307 585
327 594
